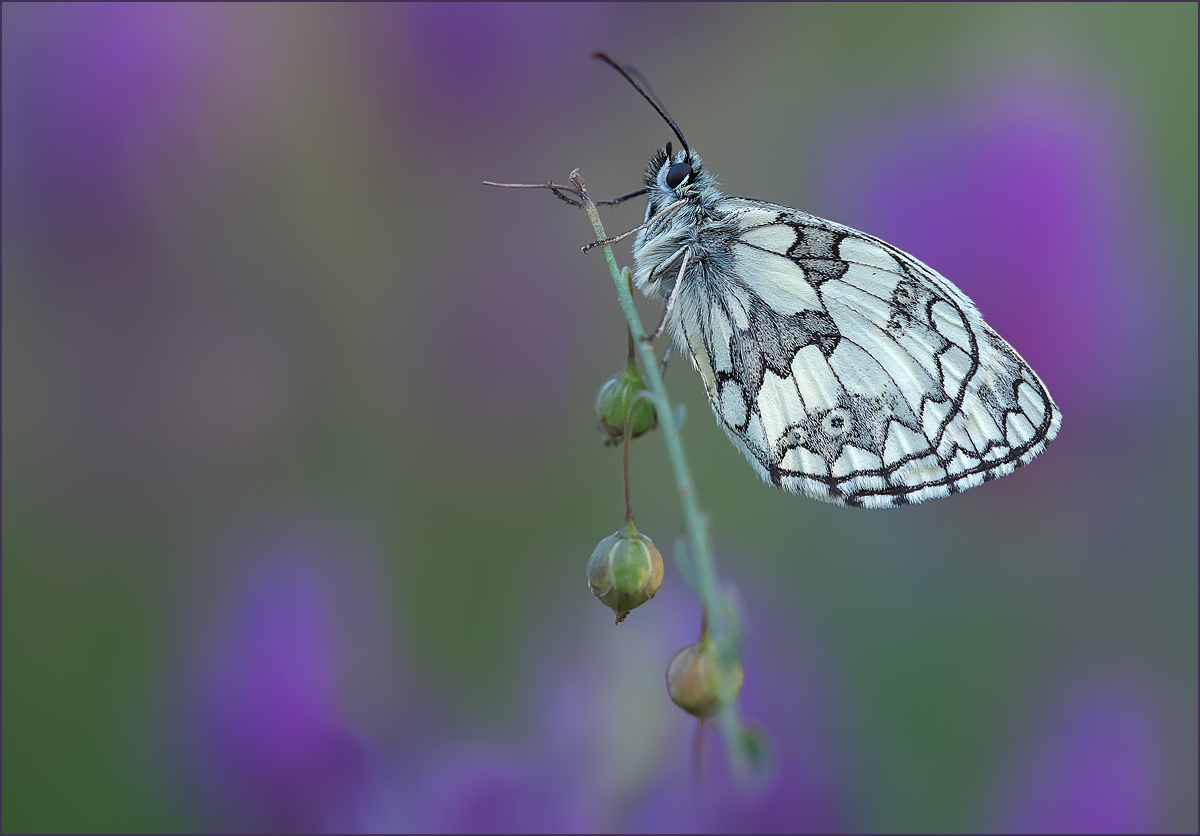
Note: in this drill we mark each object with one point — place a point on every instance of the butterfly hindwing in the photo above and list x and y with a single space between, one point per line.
847 370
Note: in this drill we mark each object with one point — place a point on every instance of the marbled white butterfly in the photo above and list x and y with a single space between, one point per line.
841 367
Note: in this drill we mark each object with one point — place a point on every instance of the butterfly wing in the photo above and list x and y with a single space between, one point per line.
849 371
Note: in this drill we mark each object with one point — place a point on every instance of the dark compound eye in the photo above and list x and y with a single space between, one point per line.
677 173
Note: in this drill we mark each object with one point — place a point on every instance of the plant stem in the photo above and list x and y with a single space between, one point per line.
628 436
694 518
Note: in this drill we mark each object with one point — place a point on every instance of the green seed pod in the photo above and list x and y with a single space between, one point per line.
625 570
698 682
614 401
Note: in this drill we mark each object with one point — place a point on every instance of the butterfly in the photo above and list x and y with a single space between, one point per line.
841 367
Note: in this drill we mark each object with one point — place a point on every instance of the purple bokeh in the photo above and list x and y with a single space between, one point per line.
269 741
789 800
1023 199
493 792
464 60
271 744
788 699
1092 766
451 69
120 88
505 336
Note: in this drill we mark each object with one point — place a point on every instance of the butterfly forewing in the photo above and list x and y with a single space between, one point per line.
841 367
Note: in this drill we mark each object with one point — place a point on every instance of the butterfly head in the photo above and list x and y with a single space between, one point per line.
674 176
669 177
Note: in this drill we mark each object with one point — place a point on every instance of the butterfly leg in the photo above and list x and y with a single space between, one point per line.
662 325
622 198
566 199
638 228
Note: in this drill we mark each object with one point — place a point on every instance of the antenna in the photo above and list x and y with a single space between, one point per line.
653 100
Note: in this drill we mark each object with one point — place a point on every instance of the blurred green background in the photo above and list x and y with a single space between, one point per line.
252 284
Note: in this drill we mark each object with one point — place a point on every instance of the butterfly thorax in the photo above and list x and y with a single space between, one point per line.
658 249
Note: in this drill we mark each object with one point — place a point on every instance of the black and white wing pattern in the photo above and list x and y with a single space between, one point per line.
847 370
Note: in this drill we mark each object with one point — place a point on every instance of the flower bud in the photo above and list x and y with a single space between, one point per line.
614 401
625 570
699 683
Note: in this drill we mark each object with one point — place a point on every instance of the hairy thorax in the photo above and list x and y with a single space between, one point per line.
703 230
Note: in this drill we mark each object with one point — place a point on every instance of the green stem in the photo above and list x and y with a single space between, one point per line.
628 438
694 518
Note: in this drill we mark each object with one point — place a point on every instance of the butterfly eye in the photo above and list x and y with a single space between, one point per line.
677 173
